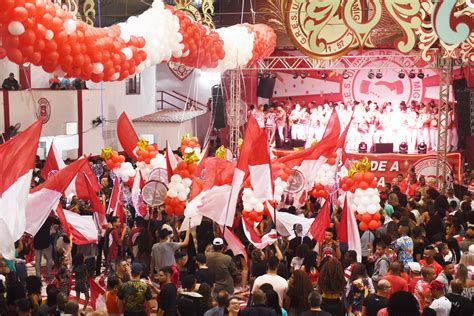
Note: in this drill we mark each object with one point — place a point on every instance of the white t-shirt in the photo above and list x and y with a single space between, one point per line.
280 285
442 306
296 263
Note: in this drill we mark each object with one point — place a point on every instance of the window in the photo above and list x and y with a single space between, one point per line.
132 85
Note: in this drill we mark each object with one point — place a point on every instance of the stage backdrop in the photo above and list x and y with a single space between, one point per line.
358 86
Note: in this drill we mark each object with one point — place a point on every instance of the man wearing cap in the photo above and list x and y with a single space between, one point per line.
441 305
415 275
422 289
133 294
162 253
223 267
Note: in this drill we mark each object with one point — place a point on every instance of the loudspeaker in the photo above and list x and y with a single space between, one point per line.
265 87
463 114
383 148
460 84
218 106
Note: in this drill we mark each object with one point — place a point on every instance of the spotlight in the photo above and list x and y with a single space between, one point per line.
324 75
403 148
401 74
379 75
295 76
303 75
422 148
371 75
412 75
362 148
274 75
421 75
345 75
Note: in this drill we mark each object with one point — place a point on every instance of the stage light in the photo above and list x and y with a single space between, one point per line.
401 74
274 75
345 75
422 148
371 75
421 75
295 76
403 148
303 75
379 75
362 148
324 75
412 75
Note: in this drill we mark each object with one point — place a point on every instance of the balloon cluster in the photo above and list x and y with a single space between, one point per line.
146 154
190 144
178 191
319 191
264 41
237 52
126 172
279 187
362 195
36 32
253 207
202 46
112 158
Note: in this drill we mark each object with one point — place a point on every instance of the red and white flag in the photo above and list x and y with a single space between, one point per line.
348 231
17 160
127 136
171 161
97 294
138 204
320 223
341 144
255 239
82 227
53 162
43 198
96 204
234 243
254 162
308 161
115 201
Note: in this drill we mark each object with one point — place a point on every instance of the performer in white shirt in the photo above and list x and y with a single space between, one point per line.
426 119
434 129
411 130
281 123
294 120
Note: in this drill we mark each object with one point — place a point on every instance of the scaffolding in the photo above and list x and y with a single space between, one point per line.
234 110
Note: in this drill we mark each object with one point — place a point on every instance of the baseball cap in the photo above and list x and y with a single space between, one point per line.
436 285
218 241
164 233
137 268
471 249
414 266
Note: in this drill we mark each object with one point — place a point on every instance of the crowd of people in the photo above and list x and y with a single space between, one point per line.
413 124
419 262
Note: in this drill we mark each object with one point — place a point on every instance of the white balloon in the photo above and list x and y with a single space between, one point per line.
372 209
49 35
127 51
180 187
97 68
247 207
187 190
176 178
172 193
278 190
15 28
70 26
188 150
254 201
125 178
197 150
187 182
359 191
182 196
259 207
247 192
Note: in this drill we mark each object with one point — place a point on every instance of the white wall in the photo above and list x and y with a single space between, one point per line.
2 125
6 67
197 86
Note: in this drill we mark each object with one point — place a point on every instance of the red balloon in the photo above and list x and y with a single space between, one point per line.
331 161
110 164
373 225
185 174
363 185
19 14
358 177
373 184
344 187
376 216
28 37
349 182
3 52
368 177
15 55
363 226
353 188
366 217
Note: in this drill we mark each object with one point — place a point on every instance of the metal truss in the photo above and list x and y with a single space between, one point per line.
282 63
445 67
234 110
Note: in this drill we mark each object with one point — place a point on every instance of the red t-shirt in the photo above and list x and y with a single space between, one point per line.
412 284
398 283
114 244
435 265
175 275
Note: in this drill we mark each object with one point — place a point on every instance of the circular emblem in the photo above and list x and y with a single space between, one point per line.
317 30
427 167
362 87
43 111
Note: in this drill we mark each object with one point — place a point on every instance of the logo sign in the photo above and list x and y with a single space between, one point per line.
43 110
308 29
427 167
360 87
179 70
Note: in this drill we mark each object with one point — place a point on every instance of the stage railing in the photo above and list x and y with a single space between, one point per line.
178 101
